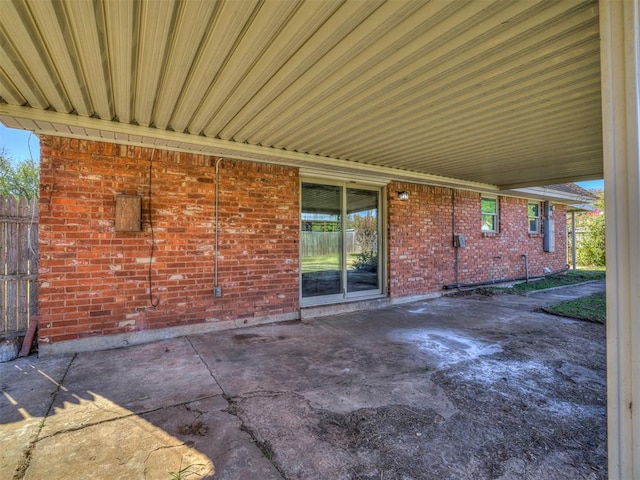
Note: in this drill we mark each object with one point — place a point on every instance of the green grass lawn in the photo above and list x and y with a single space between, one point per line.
321 263
592 308
568 278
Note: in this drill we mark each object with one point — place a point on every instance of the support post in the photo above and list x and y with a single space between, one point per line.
573 240
620 67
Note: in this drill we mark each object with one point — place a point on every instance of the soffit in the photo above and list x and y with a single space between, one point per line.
503 93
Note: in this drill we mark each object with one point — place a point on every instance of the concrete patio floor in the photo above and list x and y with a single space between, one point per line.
457 387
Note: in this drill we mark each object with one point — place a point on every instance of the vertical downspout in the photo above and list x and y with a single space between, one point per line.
526 266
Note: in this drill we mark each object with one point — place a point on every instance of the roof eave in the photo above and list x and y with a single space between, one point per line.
66 125
551 195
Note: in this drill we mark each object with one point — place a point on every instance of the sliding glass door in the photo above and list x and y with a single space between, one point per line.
321 240
339 242
362 240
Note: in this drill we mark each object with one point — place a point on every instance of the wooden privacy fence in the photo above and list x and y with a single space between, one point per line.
18 264
326 243
315 244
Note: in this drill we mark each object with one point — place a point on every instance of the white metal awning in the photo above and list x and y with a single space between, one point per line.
501 94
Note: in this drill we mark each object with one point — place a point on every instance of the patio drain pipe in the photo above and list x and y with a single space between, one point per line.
502 280
526 265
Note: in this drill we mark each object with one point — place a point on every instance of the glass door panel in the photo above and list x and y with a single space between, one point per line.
321 240
361 240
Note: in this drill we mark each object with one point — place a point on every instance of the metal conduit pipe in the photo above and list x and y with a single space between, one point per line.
456 260
217 291
502 280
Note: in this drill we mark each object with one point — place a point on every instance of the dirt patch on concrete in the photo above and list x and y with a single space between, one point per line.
516 419
196 428
525 399
470 387
390 439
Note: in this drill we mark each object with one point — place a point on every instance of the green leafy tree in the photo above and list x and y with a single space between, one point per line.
21 179
591 247
366 229
366 232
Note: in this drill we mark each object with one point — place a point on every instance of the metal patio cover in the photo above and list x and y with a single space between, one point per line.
500 93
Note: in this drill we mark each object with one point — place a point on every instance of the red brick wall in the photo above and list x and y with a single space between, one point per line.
422 258
95 281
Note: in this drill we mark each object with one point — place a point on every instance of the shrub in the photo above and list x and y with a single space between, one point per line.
591 248
366 262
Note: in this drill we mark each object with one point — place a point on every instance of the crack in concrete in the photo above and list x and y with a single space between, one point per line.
22 468
264 447
206 365
230 448
194 410
157 449
270 394
122 417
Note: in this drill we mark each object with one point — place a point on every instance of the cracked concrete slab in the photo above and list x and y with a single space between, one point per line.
405 389
455 388
209 428
199 438
293 438
28 388
128 447
480 381
105 385
334 370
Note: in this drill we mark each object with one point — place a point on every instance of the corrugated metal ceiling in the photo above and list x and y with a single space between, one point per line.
499 92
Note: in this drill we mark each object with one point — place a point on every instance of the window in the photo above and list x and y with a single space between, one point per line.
533 213
489 211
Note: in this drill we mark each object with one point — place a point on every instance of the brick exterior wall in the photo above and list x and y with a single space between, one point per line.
95 281
422 258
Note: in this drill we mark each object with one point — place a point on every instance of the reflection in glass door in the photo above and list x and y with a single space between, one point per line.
321 240
362 240
339 242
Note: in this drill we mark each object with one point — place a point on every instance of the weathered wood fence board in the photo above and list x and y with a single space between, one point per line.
18 263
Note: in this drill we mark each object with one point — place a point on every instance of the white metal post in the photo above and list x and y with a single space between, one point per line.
573 240
620 63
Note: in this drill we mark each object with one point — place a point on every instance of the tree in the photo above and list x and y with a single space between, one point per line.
21 179
366 235
366 229
591 247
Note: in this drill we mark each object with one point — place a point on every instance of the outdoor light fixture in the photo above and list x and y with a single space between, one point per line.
404 196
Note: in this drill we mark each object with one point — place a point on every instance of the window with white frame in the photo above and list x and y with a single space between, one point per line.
489 214
533 214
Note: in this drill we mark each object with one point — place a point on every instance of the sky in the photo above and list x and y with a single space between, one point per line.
17 143
592 184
